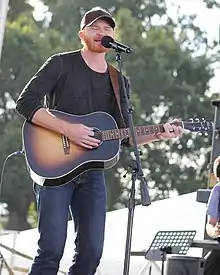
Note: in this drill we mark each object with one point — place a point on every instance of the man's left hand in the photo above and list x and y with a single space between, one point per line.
171 130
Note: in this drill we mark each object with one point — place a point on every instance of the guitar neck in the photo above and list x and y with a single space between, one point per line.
139 131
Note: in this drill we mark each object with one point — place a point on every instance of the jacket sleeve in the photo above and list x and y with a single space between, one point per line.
32 96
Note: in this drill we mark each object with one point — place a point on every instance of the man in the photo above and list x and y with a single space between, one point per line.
86 87
212 263
213 207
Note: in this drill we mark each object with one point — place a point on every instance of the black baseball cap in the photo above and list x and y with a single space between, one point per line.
94 14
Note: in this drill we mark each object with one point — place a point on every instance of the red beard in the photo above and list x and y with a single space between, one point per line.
94 46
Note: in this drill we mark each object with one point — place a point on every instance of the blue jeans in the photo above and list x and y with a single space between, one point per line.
86 197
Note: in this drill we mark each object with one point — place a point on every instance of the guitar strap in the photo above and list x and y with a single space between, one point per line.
113 72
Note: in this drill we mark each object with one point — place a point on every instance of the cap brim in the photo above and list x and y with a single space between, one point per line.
104 17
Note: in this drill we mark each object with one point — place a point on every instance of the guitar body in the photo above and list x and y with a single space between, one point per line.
53 160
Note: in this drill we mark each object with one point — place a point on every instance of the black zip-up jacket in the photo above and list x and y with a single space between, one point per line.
66 83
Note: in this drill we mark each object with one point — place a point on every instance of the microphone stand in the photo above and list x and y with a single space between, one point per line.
137 173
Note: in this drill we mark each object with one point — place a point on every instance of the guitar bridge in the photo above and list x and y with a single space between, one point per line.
66 144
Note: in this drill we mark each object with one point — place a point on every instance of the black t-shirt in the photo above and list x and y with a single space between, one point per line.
90 91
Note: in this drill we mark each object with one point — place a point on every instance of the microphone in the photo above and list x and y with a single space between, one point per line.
108 42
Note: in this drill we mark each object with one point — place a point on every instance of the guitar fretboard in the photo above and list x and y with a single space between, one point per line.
139 131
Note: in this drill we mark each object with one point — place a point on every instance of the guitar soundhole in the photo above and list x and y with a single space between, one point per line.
66 143
98 134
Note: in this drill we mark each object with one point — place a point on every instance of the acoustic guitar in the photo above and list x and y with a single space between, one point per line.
53 160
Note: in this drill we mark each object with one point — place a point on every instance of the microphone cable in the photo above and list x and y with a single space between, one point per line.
4 164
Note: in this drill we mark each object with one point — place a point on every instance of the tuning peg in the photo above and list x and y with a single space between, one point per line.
197 119
191 119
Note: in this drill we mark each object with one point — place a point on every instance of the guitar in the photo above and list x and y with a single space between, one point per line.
53 160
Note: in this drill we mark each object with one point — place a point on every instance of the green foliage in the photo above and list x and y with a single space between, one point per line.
169 74
212 3
16 7
32 215
25 49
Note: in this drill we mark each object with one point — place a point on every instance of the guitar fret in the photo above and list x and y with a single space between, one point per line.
104 137
152 130
127 132
146 130
108 135
139 130
112 134
117 133
120 133
156 129
123 132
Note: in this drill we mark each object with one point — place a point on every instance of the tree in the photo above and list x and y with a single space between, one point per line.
169 77
17 7
212 3
26 47
176 82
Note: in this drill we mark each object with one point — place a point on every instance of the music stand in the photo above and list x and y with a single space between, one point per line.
169 242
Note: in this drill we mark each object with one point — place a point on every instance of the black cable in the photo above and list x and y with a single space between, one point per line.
1 184
3 167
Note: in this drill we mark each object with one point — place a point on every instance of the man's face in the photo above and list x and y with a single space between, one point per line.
91 36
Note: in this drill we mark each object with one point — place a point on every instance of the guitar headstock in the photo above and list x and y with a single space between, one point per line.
198 125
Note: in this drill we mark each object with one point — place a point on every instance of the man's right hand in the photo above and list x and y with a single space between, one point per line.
77 133
217 230
82 135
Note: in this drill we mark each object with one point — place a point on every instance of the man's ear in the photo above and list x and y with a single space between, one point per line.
81 35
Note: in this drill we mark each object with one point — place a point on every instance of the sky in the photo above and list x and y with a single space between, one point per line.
207 19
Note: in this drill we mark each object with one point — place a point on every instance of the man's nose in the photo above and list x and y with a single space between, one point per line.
101 32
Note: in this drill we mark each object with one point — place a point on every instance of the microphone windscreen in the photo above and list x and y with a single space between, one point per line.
105 41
